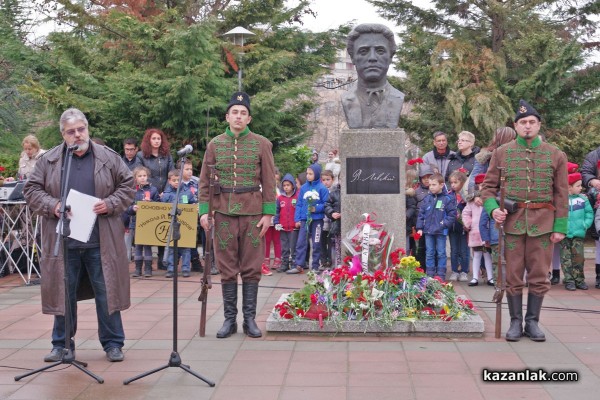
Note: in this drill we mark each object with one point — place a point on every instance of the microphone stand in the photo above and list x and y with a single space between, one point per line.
174 234
67 356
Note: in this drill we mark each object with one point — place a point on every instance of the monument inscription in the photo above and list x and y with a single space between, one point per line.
372 175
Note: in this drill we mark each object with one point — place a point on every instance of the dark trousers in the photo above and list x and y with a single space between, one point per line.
288 246
325 248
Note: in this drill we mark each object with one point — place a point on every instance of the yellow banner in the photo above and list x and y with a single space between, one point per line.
153 221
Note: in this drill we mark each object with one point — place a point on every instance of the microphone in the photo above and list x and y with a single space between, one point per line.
186 150
74 147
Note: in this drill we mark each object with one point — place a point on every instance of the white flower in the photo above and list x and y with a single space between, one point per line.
374 242
376 294
311 195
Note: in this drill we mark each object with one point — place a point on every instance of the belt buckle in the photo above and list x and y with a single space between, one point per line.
527 203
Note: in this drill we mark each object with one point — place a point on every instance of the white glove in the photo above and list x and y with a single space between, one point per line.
278 227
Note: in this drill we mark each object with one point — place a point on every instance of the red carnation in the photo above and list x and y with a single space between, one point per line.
463 170
2 168
416 236
415 161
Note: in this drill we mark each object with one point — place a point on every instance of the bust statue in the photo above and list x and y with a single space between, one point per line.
373 102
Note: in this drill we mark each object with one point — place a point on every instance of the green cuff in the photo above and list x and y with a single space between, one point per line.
269 209
203 208
560 225
490 205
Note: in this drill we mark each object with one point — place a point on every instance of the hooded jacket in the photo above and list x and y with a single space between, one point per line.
302 204
286 206
437 214
581 216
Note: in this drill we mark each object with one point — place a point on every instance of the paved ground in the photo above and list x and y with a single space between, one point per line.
288 367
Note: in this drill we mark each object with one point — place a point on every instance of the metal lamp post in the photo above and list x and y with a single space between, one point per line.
236 35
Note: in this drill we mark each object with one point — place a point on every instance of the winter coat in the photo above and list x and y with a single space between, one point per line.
589 169
457 161
27 164
457 226
302 204
438 162
581 216
480 166
140 195
114 185
420 193
334 204
286 206
434 219
411 210
487 229
159 169
186 195
471 216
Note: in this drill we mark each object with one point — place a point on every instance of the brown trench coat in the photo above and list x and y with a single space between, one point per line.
114 185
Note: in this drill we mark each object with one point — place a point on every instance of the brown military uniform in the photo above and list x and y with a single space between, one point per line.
245 191
536 178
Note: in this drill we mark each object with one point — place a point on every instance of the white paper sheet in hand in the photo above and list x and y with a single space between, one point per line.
82 215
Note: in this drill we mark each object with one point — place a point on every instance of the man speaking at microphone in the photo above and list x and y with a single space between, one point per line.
97 268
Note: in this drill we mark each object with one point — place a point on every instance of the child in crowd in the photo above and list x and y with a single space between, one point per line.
581 217
190 182
272 236
301 180
471 215
309 213
421 192
489 237
459 249
333 210
284 222
327 179
185 197
144 191
412 182
436 216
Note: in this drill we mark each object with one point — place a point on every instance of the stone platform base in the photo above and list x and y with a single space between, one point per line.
472 326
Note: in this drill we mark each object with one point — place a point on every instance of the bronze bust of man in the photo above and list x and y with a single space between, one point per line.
373 103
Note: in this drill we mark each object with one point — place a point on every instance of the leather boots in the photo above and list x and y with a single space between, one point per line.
250 295
534 306
515 308
229 327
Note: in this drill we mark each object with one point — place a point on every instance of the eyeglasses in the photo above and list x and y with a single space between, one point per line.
80 130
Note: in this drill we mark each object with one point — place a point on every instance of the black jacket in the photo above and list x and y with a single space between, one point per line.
333 204
457 161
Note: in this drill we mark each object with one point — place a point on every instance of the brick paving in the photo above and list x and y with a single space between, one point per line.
289 366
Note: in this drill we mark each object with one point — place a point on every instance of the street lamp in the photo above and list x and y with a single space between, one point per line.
236 35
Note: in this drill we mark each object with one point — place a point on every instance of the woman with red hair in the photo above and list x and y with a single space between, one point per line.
155 156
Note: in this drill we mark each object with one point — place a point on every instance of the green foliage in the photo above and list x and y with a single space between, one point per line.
497 53
10 162
164 66
293 160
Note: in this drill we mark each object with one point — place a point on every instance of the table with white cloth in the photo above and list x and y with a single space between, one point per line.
18 245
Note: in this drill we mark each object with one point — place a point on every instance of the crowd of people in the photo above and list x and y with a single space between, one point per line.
450 196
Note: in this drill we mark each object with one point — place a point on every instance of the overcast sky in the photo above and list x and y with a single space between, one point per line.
333 13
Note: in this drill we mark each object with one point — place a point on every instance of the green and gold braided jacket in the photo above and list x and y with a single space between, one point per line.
245 161
535 173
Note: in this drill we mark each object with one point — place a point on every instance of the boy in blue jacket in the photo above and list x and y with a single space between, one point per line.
186 196
436 214
310 210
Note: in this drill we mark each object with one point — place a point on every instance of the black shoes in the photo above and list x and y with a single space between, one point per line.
56 355
114 354
570 286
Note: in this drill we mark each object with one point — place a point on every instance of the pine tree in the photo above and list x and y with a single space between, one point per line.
468 63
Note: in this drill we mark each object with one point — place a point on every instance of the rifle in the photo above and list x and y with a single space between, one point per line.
205 282
499 289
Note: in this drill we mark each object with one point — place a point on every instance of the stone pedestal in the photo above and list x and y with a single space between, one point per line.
373 179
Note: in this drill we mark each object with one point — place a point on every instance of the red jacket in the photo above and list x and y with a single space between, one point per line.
286 207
